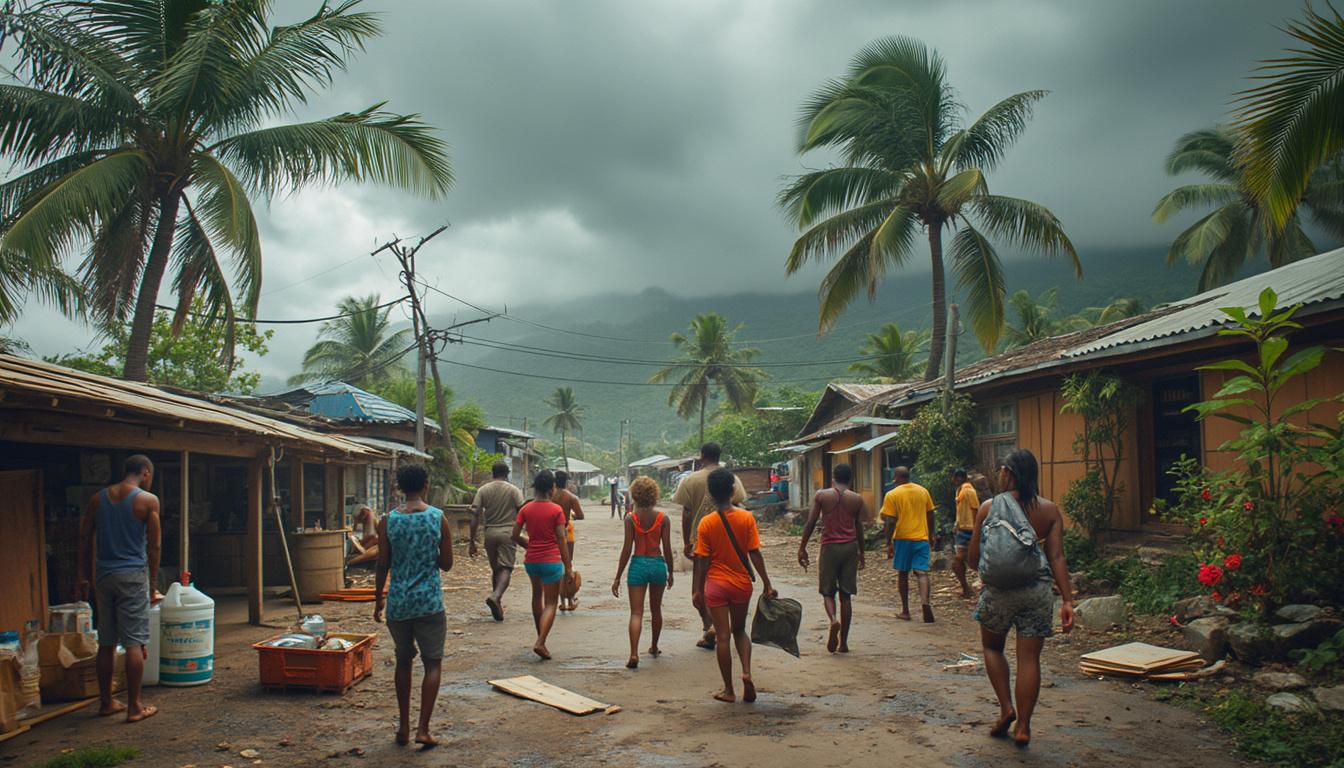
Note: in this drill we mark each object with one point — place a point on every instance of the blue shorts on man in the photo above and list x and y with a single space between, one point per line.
910 555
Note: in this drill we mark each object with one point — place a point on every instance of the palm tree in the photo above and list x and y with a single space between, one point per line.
566 416
1118 309
144 127
356 348
710 359
1035 319
1293 121
892 354
908 163
1239 228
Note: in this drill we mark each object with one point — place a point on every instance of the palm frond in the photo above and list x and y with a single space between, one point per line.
1028 225
983 144
959 190
37 126
56 54
1200 239
864 265
116 259
838 233
198 267
979 273
364 146
1192 196
1290 244
834 190
1211 151
226 213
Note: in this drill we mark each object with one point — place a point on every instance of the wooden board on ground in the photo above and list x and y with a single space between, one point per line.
22 729
1139 657
529 687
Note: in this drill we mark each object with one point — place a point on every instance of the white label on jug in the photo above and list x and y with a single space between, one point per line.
188 638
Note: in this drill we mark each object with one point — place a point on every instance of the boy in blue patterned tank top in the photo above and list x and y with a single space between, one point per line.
415 546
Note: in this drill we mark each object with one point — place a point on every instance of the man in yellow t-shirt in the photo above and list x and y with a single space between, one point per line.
907 513
968 503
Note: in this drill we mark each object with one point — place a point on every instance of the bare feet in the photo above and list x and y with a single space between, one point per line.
541 651
1000 728
144 712
404 736
707 642
496 610
844 647
903 615
833 641
654 651
633 663
424 739
726 695
748 690
1022 735
928 614
111 709
966 594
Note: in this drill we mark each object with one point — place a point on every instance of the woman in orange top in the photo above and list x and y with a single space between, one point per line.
646 532
723 582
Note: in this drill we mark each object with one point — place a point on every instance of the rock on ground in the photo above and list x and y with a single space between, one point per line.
1279 681
1208 636
1199 607
1331 699
1297 614
1307 634
1291 703
1250 642
1100 613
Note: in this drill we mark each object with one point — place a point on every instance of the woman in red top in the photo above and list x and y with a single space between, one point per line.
648 533
722 581
547 561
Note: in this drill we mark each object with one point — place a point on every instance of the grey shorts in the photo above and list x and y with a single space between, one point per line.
1031 610
500 549
838 569
425 633
123 608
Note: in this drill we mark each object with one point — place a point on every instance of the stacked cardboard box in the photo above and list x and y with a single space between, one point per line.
69 666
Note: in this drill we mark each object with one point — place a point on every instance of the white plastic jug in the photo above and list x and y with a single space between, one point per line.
151 676
187 653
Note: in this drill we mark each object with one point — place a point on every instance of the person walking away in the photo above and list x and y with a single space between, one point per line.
840 511
649 537
1028 608
547 560
968 503
122 523
908 513
416 545
495 507
615 494
692 495
727 546
573 508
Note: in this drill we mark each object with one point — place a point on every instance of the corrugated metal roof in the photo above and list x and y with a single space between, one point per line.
1309 281
391 446
580 467
345 402
21 375
860 392
868 445
648 461
508 431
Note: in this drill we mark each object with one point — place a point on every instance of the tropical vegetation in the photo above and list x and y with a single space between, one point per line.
1240 228
142 129
750 439
1104 401
891 355
909 164
357 347
566 416
1034 318
711 362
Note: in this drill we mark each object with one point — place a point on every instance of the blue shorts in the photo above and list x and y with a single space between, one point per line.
963 539
910 555
646 570
549 573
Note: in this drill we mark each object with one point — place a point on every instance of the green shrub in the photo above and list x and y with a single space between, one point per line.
94 757
941 444
1325 657
1085 502
1150 588
1080 552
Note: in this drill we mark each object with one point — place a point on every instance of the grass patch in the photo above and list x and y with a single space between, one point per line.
93 757
1263 733
1150 588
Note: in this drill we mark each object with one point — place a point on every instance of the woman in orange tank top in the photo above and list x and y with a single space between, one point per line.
649 537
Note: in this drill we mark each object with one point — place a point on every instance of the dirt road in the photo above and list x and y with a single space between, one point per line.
886 703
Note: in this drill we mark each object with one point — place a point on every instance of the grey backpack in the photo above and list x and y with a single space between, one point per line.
1010 552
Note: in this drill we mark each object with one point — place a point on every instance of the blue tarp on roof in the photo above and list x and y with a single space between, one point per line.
346 402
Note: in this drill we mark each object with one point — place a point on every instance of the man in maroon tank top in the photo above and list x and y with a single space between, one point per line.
841 513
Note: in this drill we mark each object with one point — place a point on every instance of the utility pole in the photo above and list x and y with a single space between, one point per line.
620 448
950 359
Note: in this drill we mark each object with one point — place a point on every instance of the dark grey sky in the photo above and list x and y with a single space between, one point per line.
611 145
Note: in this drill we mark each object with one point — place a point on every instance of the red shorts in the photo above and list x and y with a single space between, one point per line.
721 593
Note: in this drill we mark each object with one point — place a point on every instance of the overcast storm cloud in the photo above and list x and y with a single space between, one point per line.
610 146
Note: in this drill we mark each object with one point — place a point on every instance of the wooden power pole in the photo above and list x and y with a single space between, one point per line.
950 359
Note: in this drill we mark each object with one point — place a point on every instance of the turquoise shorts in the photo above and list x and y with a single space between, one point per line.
646 570
548 573
910 555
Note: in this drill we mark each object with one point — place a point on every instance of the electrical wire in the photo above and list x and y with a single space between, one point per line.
286 322
522 374
608 360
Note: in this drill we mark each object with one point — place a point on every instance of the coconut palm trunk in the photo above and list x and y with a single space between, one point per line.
136 367
938 336
564 449
454 466
703 402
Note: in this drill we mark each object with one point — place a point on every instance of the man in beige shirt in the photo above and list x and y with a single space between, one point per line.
692 495
496 506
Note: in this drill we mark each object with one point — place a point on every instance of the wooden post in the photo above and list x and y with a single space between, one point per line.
950 359
296 492
184 521
252 553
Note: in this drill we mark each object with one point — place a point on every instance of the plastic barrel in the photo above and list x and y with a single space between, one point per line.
187 653
155 644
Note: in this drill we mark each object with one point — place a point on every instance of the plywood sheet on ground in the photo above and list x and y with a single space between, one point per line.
529 687
1140 657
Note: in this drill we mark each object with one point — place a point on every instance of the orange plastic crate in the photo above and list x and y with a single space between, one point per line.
333 671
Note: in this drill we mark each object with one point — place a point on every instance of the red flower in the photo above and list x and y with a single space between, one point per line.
1259 590
1203 521
1248 506
1205 495
1234 598
1217 596
1336 521
1210 575
1232 562
1220 541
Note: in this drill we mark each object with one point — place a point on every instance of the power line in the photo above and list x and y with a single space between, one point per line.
315 275
604 359
522 374
287 322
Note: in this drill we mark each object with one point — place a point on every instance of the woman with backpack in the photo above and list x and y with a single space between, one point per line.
727 545
1019 546
649 536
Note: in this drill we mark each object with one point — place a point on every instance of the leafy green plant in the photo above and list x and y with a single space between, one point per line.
1326 656
1105 402
1080 552
94 757
941 443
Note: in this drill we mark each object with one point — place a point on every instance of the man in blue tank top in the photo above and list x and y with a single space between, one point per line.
119 549
414 544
